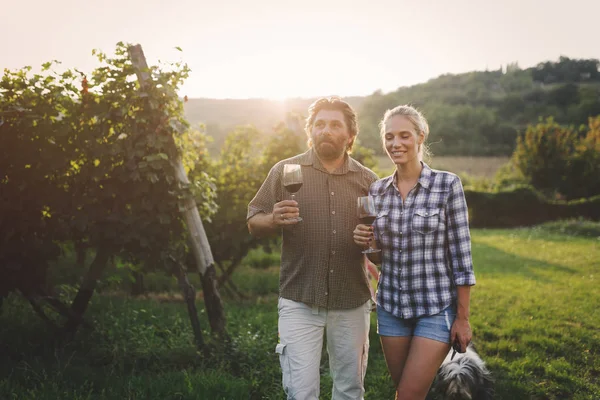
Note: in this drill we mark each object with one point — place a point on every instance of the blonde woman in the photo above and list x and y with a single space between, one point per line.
422 230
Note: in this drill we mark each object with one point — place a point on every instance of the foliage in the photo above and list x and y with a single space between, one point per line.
476 113
567 70
561 160
481 113
243 165
88 159
238 176
476 183
508 177
364 155
284 142
33 142
221 116
536 345
260 259
524 206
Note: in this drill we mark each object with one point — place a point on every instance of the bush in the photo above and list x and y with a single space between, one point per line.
479 183
561 161
524 206
257 282
573 227
260 259
508 177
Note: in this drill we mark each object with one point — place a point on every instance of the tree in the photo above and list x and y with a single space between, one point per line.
239 172
560 161
34 162
88 159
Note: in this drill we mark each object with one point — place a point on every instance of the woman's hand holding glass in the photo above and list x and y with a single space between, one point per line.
367 214
363 235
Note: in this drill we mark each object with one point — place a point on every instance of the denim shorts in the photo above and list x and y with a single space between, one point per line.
436 327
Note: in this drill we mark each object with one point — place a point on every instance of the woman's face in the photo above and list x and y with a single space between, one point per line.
402 141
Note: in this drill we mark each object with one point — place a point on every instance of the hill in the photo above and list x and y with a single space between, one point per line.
474 113
221 116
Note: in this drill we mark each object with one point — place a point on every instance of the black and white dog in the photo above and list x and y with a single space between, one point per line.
463 378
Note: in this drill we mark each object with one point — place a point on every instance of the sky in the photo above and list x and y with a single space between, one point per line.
304 48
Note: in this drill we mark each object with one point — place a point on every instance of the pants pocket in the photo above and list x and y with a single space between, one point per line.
370 306
285 369
363 363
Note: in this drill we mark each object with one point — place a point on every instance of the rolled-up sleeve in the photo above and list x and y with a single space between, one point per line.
269 193
459 236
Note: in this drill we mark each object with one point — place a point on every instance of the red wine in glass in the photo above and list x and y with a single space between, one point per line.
293 187
292 181
367 215
368 220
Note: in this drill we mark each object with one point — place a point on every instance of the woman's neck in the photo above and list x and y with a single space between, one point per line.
409 172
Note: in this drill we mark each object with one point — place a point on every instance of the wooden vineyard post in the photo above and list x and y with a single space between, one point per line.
197 235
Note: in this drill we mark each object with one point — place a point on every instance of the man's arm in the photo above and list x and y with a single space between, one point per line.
284 212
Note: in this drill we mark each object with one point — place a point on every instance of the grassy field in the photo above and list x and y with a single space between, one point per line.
535 317
477 167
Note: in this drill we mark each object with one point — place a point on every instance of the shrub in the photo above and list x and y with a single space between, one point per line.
524 206
573 227
260 259
561 161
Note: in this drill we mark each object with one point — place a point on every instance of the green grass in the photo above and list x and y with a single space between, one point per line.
535 316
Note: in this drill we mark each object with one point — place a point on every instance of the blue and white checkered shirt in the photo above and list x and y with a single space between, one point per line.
425 244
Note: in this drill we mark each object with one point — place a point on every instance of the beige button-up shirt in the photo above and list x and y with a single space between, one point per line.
320 263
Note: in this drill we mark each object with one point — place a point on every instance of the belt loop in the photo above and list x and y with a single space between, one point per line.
315 310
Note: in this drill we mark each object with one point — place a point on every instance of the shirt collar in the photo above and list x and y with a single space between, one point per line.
424 178
310 158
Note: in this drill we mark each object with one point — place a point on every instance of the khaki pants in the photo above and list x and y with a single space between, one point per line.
301 329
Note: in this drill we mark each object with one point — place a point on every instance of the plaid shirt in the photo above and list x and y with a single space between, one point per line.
425 243
320 263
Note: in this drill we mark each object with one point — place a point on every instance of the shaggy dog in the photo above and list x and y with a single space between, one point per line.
463 378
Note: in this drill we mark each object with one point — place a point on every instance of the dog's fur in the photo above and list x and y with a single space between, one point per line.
464 378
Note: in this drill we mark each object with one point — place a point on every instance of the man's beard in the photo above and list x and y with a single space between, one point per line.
328 148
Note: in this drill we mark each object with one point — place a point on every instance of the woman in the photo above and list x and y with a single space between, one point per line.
422 229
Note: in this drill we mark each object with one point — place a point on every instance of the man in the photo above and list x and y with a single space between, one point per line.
322 285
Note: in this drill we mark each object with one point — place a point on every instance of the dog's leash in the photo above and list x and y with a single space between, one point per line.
455 349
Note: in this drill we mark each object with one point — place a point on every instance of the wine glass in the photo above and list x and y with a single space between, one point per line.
292 181
367 215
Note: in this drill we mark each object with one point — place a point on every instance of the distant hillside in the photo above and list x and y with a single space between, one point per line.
221 116
481 113
475 113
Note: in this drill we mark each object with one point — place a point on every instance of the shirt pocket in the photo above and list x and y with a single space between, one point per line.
381 224
426 220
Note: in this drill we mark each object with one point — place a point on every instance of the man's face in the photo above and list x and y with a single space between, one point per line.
330 135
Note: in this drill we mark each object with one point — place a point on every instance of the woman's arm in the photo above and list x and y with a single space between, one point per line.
461 328
459 236
459 248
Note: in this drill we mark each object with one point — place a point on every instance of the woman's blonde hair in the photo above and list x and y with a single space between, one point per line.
416 118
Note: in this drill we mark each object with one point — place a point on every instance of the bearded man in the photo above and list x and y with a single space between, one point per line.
322 284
